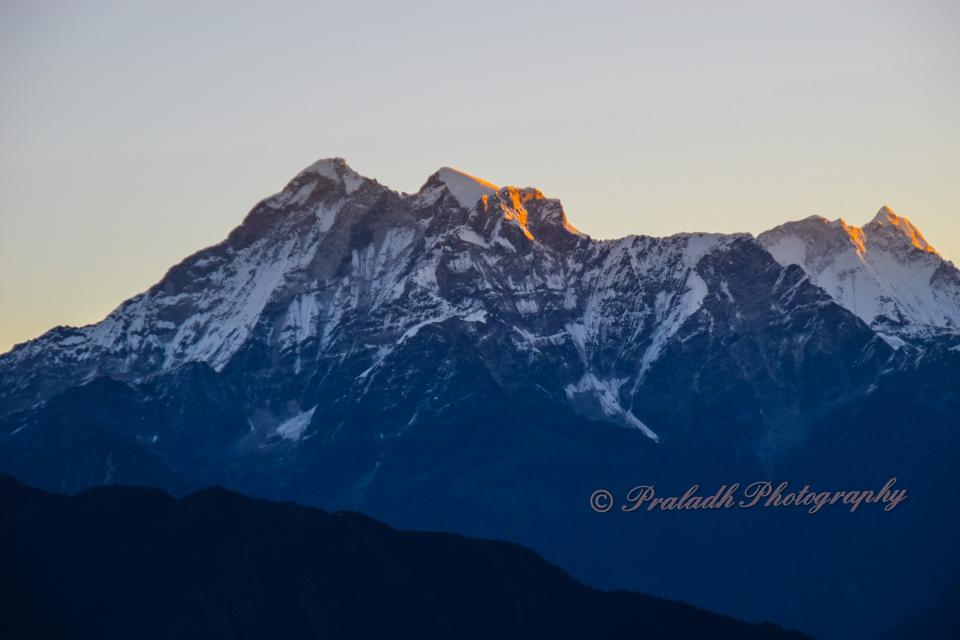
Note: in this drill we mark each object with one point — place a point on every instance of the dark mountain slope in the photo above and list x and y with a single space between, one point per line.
939 622
121 562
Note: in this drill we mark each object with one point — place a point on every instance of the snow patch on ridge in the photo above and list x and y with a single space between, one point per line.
338 170
466 189
293 428
592 393
326 167
671 315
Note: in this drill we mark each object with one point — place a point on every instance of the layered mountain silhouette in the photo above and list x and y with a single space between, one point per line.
463 359
120 562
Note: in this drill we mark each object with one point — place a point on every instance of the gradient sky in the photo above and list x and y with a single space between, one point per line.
134 133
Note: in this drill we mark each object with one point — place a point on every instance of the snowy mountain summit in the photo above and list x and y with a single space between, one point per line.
465 188
885 272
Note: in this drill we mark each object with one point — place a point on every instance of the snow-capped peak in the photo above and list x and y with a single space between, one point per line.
338 170
885 214
885 272
465 188
887 225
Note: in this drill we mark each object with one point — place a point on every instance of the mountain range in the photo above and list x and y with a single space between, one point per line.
464 359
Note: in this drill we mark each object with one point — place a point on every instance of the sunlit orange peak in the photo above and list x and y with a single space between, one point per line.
886 217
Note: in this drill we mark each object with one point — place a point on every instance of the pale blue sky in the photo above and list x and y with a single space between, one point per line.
133 133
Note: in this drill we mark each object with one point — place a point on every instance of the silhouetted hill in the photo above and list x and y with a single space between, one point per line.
939 622
118 562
